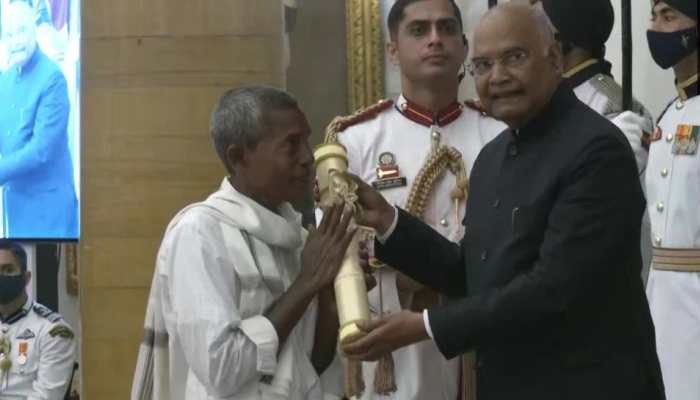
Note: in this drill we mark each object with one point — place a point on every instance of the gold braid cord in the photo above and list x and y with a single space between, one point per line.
341 123
440 161
443 159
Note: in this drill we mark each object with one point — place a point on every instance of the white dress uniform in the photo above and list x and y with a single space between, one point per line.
673 200
403 134
600 92
42 354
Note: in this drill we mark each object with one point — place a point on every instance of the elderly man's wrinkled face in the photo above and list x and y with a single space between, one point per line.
516 65
280 167
19 33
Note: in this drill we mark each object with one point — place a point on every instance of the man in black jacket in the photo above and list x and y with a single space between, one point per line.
545 284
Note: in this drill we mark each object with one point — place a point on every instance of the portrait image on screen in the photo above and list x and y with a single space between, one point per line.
39 119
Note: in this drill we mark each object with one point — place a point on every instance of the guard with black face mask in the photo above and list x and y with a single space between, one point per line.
37 348
673 195
582 28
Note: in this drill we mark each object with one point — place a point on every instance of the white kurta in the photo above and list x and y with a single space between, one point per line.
421 371
220 266
673 200
45 369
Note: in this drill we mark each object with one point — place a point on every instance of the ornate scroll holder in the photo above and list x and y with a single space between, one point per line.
350 291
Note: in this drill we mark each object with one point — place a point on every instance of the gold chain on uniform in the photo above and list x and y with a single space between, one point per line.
446 157
5 361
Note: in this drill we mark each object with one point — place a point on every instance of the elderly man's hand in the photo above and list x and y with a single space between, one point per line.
386 335
325 248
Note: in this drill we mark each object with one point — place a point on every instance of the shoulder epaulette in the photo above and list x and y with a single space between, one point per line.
341 123
45 312
613 91
475 104
62 331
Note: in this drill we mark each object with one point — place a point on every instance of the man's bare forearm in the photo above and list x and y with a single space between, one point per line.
288 309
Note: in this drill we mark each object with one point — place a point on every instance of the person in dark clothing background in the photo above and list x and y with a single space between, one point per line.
545 285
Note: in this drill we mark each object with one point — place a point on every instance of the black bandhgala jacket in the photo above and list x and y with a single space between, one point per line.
546 284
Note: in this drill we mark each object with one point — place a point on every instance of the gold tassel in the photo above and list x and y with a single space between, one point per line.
469 376
354 383
384 380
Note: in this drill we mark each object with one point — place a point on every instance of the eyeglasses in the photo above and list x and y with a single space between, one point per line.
511 59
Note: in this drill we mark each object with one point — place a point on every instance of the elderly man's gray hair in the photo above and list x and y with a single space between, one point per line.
241 114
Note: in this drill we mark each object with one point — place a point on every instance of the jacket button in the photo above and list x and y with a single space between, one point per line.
659 206
484 255
664 172
669 138
444 222
657 241
496 203
513 150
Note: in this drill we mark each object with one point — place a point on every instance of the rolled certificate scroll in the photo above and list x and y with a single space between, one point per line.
334 187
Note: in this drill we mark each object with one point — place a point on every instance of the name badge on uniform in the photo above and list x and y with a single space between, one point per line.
388 174
685 142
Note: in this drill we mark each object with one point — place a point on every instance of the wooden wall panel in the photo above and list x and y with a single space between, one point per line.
132 18
178 54
105 356
152 71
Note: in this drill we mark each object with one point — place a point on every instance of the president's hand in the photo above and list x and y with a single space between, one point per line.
376 212
386 335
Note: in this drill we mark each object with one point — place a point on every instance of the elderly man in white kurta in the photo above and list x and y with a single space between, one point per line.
673 200
239 291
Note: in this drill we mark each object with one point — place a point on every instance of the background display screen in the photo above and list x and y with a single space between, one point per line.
40 119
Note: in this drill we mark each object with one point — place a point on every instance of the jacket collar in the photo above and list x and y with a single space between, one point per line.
425 117
31 63
688 88
19 314
586 70
562 100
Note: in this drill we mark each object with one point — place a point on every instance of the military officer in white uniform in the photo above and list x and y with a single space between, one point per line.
583 27
418 151
673 197
37 347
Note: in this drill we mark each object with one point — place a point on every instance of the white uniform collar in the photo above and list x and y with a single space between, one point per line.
421 115
21 313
